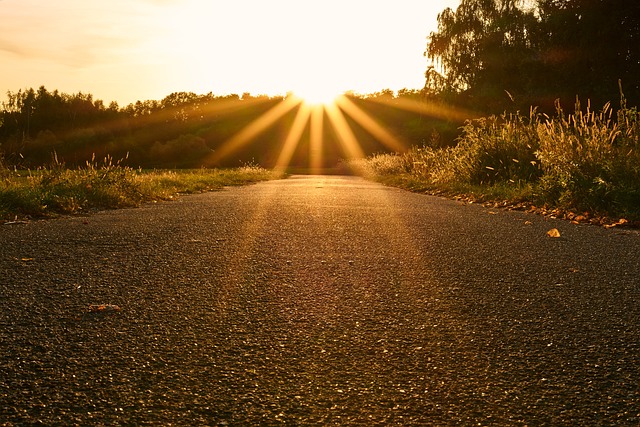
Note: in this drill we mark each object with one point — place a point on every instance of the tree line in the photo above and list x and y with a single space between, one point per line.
177 131
511 54
182 130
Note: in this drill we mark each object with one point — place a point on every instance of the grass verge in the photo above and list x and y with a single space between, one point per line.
56 190
584 166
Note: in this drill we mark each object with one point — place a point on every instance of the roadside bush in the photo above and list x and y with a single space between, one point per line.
381 165
434 165
61 190
583 161
498 149
104 184
184 151
590 160
491 150
107 185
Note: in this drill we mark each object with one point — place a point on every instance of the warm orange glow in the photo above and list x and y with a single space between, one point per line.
316 95
295 134
430 109
313 115
370 125
347 138
269 47
255 128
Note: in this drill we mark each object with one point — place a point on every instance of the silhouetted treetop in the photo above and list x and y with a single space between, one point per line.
495 50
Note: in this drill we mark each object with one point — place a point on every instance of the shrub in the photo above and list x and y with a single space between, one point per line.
498 149
586 160
590 160
184 151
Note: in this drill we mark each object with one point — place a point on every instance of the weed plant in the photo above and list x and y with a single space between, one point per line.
585 161
589 161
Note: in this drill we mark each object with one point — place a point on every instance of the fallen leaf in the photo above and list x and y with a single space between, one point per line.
554 233
15 222
528 223
622 221
103 308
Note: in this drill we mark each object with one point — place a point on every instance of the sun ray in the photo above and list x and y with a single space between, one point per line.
254 128
345 134
227 106
369 124
295 134
431 109
315 142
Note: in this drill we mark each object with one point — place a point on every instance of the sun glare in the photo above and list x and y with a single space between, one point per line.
311 107
316 95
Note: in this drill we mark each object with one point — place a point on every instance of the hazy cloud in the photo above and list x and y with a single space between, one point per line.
7 46
73 33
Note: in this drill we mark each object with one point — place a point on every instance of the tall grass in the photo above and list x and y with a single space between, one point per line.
591 160
107 184
584 161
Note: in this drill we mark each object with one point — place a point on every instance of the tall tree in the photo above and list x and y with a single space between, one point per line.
589 45
484 48
493 50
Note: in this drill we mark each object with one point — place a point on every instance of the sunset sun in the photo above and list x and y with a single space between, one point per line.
317 95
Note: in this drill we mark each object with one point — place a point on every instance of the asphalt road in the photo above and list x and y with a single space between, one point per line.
318 301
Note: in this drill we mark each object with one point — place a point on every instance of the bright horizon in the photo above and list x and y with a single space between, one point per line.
130 50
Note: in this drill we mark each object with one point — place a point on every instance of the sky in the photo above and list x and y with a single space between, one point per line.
129 50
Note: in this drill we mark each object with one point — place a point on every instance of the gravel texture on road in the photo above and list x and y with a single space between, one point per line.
318 301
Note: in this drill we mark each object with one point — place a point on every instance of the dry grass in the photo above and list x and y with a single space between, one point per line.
107 185
585 161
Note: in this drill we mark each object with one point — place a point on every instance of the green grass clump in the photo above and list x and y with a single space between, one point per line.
57 190
164 184
585 161
380 165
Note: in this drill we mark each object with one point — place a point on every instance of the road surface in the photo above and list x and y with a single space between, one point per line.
318 300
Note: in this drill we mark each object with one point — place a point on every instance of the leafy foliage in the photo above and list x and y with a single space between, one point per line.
504 54
496 149
588 161
184 129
